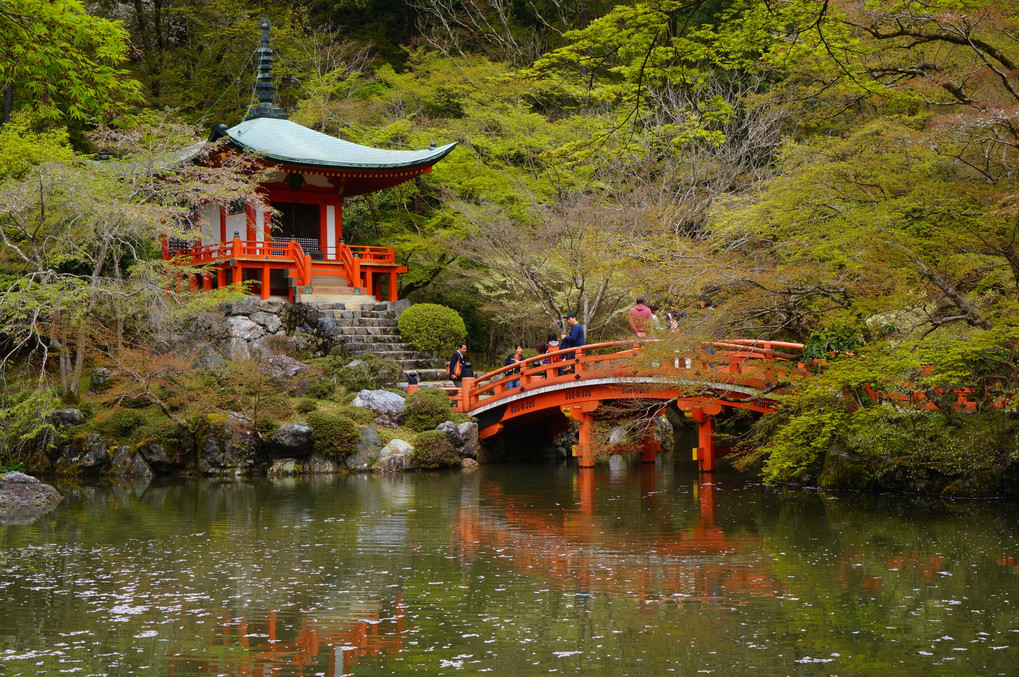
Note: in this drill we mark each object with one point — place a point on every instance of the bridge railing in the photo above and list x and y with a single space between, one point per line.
610 358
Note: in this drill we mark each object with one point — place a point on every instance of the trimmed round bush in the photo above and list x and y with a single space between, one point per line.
372 373
332 436
432 328
321 389
306 405
359 415
432 449
426 408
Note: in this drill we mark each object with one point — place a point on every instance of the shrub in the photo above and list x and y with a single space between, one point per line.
432 328
426 408
432 449
280 345
358 415
372 372
321 389
306 405
332 436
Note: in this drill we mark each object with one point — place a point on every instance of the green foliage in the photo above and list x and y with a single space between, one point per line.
426 408
373 372
432 328
358 415
432 449
332 436
23 147
306 405
23 425
321 388
824 343
64 60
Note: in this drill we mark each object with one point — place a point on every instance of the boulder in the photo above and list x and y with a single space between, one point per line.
281 366
245 306
100 378
291 440
271 323
272 306
319 465
236 349
156 457
94 458
229 447
369 447
387 406
665 432
394 457
129 464
285 467
452 432
61 418
240 326
206 357
399 306
619 435
24 492
469 464
471 442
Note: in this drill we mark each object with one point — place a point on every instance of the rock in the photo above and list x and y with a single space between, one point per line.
452 433
285 467
271 323
399 306
66 417
387 406
329 327
318 465
128 464
20 493
95 458
236 349
155 456
619 435
469 465
245 306
394 457
369 446
230 446
666 433
206 357
100 378
272 306
469 434
622 462
281 366
240 326
290 440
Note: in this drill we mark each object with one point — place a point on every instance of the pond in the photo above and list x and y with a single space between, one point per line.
511 569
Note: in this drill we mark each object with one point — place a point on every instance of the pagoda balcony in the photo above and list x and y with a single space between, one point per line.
307 269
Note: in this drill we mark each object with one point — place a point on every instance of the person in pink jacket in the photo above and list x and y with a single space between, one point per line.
640 318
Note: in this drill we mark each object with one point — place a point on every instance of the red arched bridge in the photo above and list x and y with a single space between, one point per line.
576 382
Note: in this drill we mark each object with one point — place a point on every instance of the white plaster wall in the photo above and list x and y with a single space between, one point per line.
259 225
330 231
237 222
208 216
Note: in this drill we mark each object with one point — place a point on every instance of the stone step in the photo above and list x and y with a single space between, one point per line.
360 322
436 384
327 298
387 316
425 375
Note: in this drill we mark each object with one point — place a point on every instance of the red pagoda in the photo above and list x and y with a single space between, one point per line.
299 252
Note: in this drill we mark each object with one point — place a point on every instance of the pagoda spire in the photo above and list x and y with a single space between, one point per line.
265 90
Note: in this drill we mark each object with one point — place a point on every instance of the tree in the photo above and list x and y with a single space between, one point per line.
63 62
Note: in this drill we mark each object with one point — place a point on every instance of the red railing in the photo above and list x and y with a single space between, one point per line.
611 358
267 250
369 254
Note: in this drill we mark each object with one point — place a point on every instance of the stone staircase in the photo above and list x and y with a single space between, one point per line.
369 326
329 289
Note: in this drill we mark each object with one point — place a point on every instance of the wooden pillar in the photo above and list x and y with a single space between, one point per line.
265 281
220 277
393 290
193 282
238 275
584 449
367 283
207 281
705 452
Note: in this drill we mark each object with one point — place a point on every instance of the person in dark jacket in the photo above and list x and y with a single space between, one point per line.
515 356
456 365
573 339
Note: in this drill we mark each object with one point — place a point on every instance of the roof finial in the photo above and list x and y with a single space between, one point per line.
265 91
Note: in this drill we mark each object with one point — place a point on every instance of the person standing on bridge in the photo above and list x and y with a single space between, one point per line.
640 318
515 356
573 339
456 365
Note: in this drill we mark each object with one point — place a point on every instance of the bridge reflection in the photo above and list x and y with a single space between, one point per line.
584 548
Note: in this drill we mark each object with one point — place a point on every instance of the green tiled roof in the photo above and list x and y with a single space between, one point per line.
289 142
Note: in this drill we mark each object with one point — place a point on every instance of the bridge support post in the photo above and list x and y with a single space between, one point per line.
704 453
584 449
649 446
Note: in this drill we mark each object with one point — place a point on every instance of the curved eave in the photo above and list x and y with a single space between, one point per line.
410 159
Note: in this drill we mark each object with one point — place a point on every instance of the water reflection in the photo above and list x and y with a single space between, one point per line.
510 570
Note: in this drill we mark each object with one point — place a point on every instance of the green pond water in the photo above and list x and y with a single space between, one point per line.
510 570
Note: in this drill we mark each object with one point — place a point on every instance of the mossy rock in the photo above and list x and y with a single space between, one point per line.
432 449
426 408
333 436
